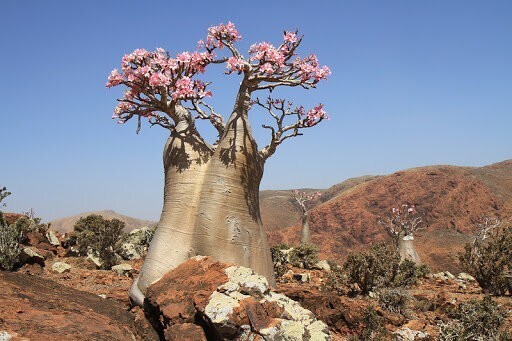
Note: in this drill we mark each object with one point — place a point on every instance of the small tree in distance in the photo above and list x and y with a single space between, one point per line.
403 222
211 194
302 198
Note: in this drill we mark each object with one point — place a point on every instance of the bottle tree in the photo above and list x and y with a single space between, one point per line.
302 198
211 193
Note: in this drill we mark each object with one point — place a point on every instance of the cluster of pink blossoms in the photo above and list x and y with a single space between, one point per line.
309 68
315 114
217 35
142 69
234 64
405 208
148 73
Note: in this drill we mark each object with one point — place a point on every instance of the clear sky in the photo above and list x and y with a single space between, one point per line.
413 83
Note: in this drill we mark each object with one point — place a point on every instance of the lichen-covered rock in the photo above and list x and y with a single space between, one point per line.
30 255
61 267
129 251
123 269
406 334
322 265
466 277
52 238
232 301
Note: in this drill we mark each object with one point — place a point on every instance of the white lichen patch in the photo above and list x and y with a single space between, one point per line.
247 280
219 307
290 330
318 331
292 310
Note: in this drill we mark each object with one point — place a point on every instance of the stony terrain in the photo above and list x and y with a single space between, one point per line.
57 295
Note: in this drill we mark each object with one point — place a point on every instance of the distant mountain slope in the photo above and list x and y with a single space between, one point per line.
66 224
278 208
451 199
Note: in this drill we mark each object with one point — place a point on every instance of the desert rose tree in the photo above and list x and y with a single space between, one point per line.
211 204
302 198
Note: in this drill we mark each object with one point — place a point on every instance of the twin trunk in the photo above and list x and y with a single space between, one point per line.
211 205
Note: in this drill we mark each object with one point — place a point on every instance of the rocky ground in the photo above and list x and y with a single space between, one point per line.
83 303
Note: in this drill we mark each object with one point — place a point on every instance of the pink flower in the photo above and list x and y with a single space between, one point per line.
267 68
218 34
115 78
184 88
290 37
159 79
234 64
315 115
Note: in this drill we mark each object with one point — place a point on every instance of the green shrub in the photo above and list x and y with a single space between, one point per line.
304 256
279 258
381 267
10 249
394 300
101 237
475 320
336 281
373 269
409 272
490 260
373 326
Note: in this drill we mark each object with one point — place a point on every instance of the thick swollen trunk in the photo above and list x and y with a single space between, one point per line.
407 250
211 205
305 237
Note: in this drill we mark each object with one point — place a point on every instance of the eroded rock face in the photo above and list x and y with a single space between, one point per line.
228 302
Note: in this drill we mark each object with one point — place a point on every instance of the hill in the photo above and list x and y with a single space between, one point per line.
451 199
66 224
279 210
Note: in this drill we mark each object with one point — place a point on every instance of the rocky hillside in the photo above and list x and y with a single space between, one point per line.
278 208
451 200
66 224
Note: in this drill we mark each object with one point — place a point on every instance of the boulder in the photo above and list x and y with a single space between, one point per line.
235 302
123 269
304 277
61 267
52 238
466 277
94 260
129 251
449 275
30 255
406 334
322 265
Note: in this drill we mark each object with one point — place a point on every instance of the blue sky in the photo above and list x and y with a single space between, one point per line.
413 83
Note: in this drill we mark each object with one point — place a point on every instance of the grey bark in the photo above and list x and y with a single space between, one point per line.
305 236
211 202
407 250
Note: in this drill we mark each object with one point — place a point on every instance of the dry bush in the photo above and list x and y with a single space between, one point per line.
100 236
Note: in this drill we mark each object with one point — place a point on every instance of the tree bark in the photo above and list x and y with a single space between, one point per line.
407 250
211 204
305 236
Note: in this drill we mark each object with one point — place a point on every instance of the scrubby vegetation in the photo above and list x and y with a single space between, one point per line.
10 237
475 320
101 237
489 257
380 267
373 326
304 256
394 300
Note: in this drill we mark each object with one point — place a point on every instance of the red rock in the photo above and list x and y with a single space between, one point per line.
39 309
257 314
187 288
185 331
